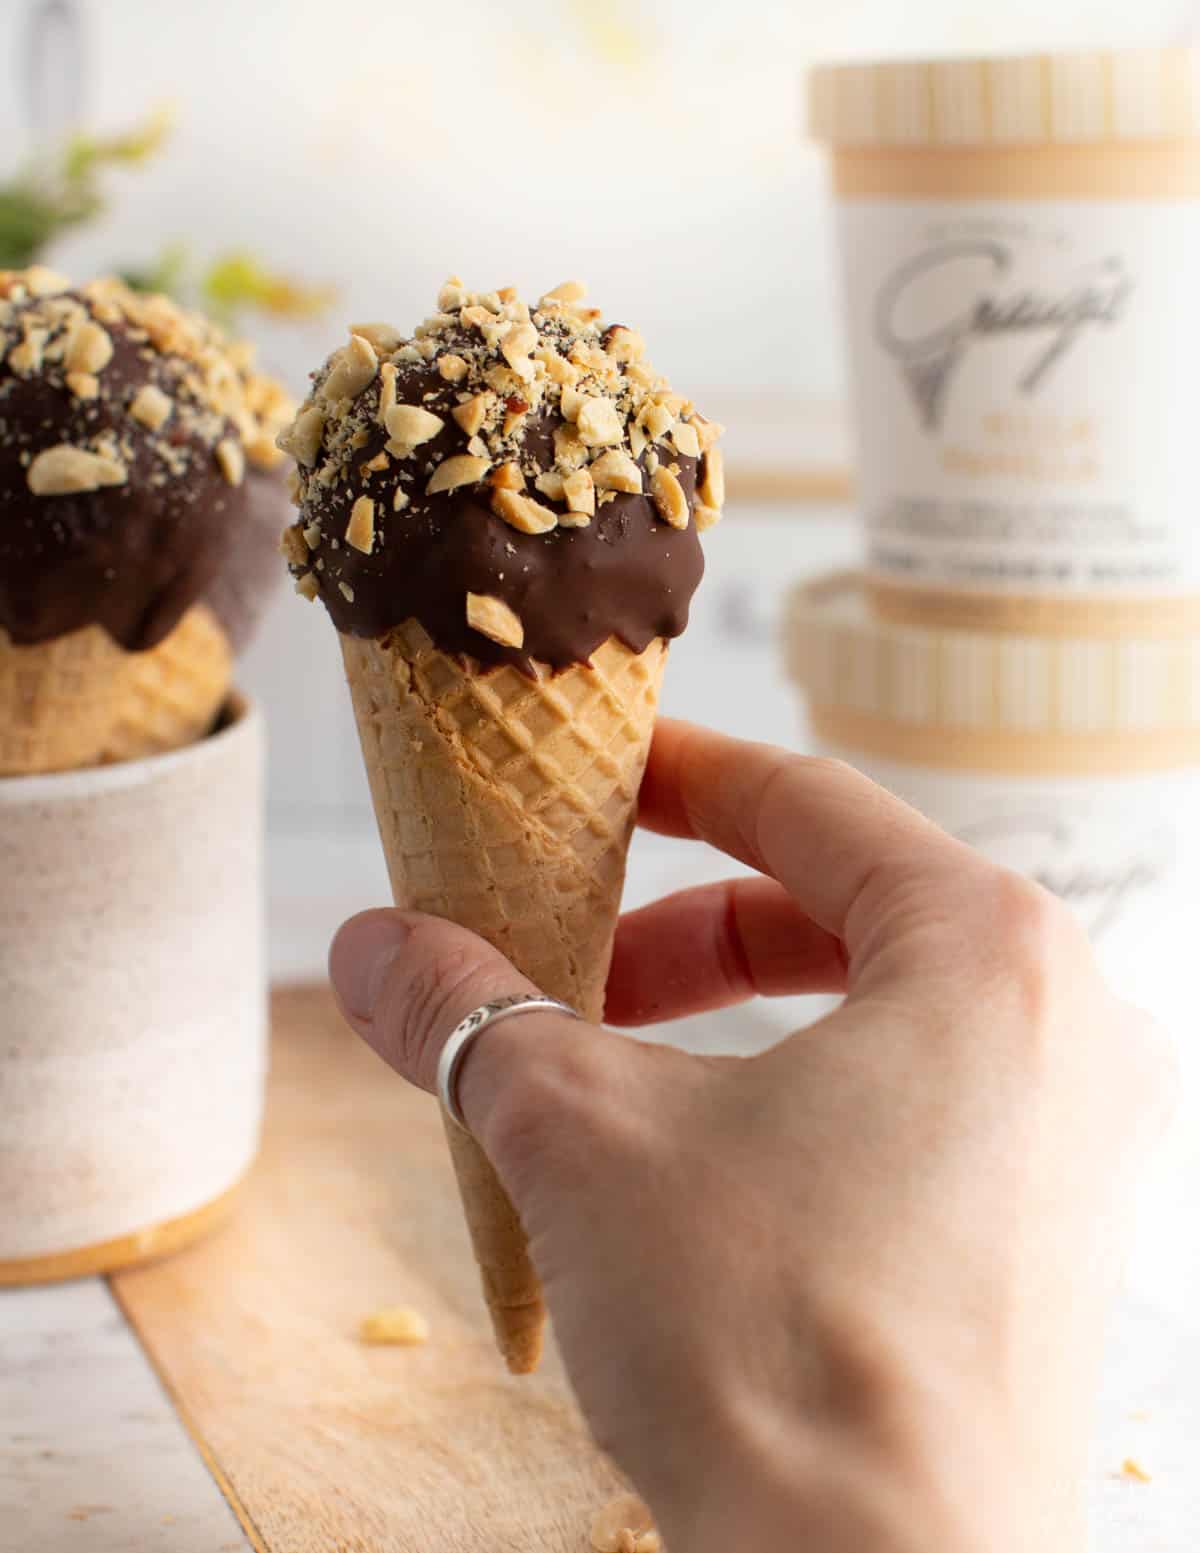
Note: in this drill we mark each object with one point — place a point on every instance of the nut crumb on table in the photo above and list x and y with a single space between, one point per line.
625 1525
398 1325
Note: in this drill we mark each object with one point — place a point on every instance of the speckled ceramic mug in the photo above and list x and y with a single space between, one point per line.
132 1002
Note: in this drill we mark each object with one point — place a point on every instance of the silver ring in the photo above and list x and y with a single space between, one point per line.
476 1022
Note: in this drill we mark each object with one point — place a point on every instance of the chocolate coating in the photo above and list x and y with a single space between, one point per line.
625 573
131 557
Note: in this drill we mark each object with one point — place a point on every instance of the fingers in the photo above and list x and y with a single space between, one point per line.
822 829
714 946
404 981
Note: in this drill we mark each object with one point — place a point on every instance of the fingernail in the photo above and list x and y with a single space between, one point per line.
360 957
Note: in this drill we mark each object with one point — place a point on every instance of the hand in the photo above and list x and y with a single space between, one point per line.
849 1294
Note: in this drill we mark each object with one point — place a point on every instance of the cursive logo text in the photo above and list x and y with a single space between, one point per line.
957 288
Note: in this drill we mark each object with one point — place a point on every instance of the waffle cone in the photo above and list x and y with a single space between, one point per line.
506 804
57 701
172 694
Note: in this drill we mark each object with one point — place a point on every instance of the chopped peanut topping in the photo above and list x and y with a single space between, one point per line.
523 513
551 484
492 618
471 415
84 385
91 349
669 498
615 471
598 423
453 368
462 469
580 492
354 366
293 545
360 531
508 478
545 410
712 479
151 406
303 437
231 460
410 425
624 344
63 469
683 435
382 337
569 291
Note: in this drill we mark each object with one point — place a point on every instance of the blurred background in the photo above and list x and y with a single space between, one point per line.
337 163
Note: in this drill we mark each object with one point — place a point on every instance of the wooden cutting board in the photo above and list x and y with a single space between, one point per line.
322 1444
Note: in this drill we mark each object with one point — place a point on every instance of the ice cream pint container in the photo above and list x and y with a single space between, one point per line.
1020 246
1073 760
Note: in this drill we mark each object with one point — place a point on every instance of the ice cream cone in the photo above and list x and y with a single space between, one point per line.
172 694
506 803
58 700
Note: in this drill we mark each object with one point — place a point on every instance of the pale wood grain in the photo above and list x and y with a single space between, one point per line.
329 1445
93 1458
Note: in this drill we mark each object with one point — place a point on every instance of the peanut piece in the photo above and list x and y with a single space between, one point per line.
580 492
383 337
452 368
360 531
523 513
63 469
410 425
451 473
508 477
712 479
615 471
551 484
569 291
686 441
91 349
558 368
598 423
231 460
624 1518
396 1324
302 439
624 344
669 498
293 546
492 618
151 406
354 366
471 415
658 420
84 385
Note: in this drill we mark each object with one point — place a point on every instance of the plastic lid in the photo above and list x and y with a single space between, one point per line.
1044 99
843 657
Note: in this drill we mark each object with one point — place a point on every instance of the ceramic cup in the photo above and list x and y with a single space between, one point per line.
132 1002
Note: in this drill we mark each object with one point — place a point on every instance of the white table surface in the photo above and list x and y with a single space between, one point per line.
93 1457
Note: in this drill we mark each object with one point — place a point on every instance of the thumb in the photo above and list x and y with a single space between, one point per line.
404 982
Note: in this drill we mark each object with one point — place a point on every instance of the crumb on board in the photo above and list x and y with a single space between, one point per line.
625 1525
398 1325
1133 1471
